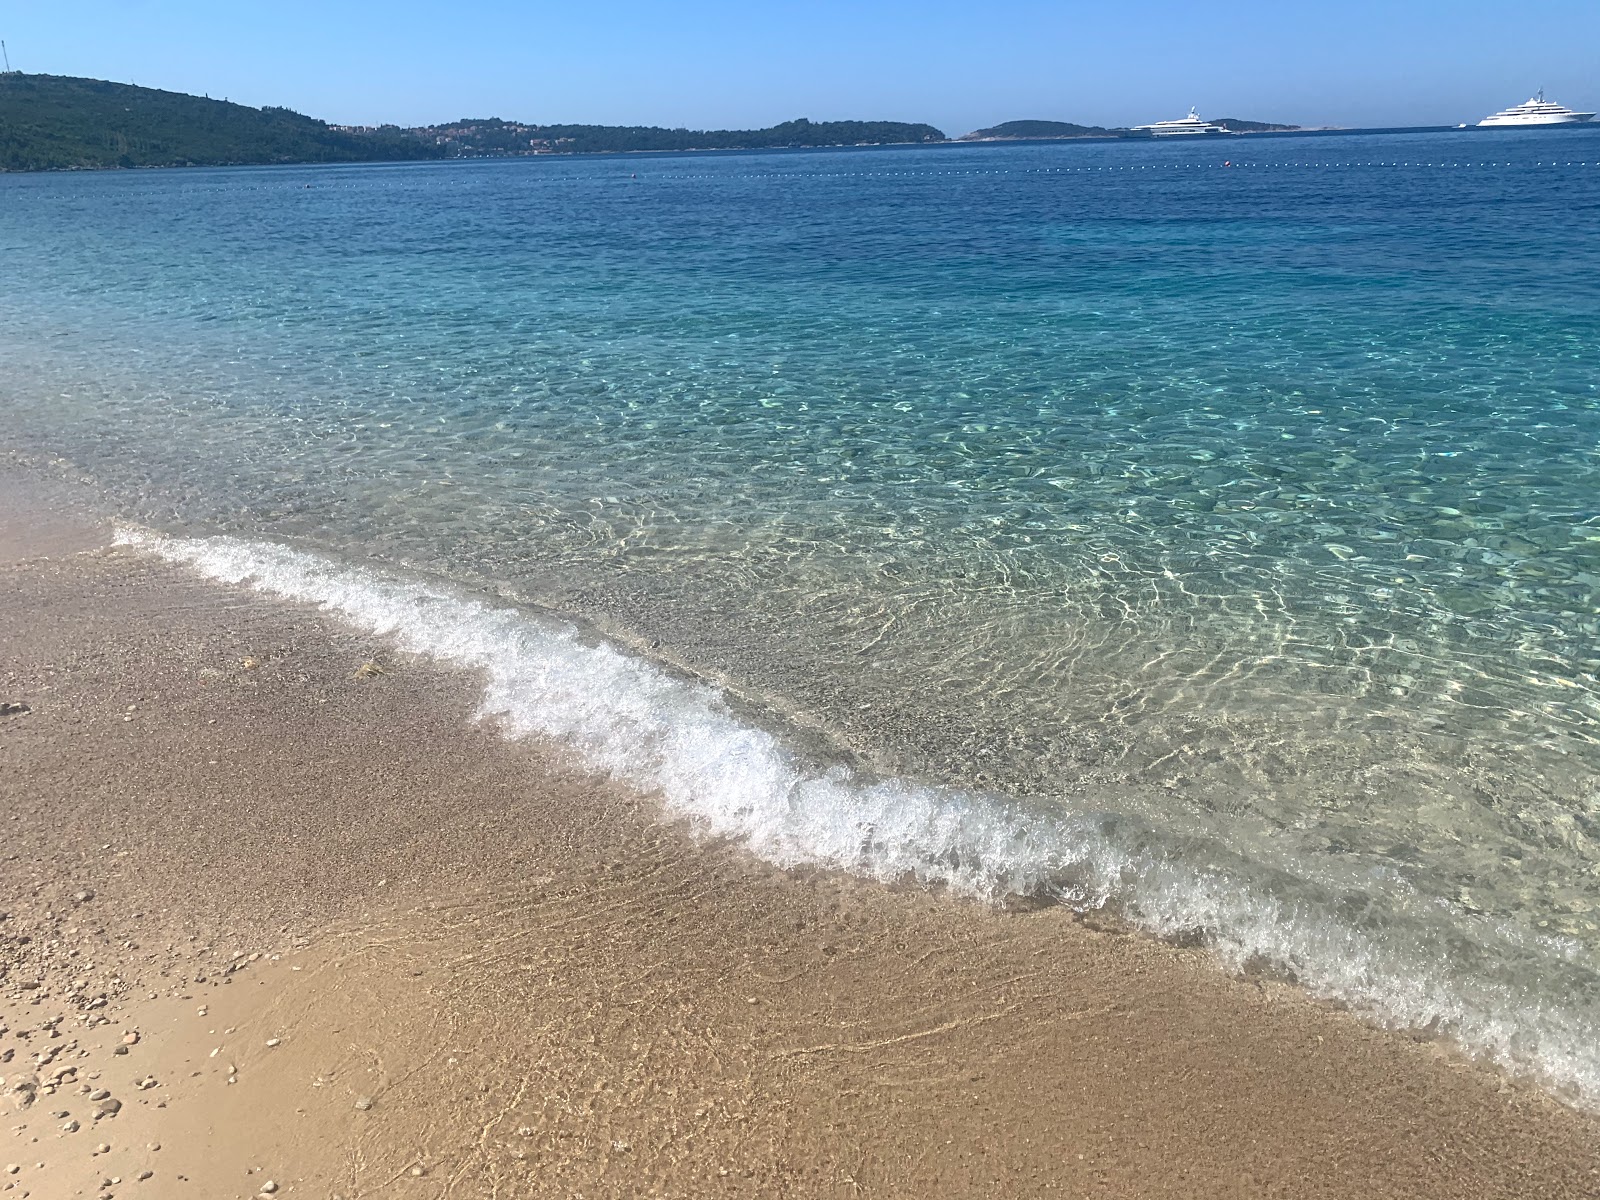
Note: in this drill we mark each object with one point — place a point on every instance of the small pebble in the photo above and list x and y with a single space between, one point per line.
143 1175
364 1103
268 1188
274 1042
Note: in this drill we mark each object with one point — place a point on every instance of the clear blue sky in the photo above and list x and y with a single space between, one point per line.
721 64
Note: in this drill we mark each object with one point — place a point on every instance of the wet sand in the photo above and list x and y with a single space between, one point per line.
270 888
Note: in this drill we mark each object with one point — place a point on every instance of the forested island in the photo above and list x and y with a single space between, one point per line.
469 138
55 122
1014 131
1235 125
1028 130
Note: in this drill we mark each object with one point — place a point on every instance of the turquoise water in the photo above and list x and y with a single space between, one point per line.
1219 542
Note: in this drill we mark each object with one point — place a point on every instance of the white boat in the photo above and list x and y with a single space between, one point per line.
1537 111
1183 127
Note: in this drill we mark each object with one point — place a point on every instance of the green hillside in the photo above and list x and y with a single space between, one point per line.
1019 130
1036 129
1235 125
478 137
56 121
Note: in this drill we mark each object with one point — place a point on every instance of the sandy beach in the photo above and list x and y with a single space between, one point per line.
280 918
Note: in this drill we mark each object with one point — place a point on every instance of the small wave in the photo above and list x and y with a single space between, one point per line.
1502 996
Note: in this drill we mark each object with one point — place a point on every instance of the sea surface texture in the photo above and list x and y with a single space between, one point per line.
1208 530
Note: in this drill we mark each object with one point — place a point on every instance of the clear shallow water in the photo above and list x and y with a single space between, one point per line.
1222 542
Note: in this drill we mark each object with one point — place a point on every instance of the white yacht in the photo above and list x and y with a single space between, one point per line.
1183 127
1537 111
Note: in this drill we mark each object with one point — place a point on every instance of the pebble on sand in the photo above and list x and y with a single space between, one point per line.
23 1091
364 1103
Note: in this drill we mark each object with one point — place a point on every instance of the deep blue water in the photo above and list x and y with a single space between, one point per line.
1241 494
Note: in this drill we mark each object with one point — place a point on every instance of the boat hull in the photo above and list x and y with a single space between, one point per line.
1532 122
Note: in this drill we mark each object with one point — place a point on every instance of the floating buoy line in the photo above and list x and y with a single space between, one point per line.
975 172
1125 168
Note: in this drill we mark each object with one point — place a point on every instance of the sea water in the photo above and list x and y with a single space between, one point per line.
1208 530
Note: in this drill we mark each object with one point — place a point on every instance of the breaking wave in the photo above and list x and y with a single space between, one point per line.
1530 1005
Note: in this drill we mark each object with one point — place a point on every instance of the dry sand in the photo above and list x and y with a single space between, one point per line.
307 925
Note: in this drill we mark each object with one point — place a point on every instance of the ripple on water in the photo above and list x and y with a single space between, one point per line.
1257 506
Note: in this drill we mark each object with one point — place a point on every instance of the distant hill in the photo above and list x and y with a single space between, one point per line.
56 121
1234 125
1036 129
1019 130
491 136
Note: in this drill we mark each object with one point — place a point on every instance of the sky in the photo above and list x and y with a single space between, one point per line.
717 64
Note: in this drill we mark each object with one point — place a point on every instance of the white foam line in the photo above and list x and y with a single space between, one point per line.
628 718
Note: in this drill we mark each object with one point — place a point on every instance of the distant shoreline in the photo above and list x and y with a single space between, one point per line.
62 123
705 151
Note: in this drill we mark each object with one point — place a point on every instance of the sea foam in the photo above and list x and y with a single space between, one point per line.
1525 1005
